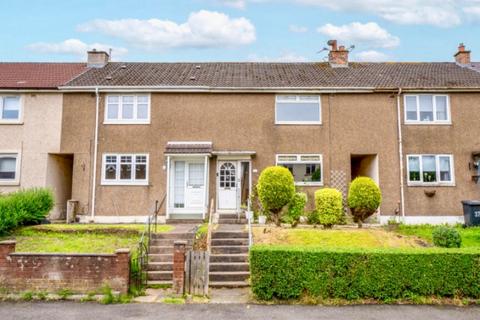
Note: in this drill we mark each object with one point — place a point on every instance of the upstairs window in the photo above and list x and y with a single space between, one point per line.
305 168
427 109
9 168
430 169
298 110
127 109
121 169
9 108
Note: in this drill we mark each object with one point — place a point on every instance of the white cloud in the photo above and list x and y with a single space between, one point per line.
286 57
74 47
439 13
370 56
368 34
203 29
238 4
297 29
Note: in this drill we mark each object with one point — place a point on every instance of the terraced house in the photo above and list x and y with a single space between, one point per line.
30 128
199 134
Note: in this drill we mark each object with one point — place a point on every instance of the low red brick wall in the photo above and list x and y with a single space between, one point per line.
80 273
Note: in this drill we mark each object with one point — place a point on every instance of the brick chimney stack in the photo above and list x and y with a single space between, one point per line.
462 57
97 59
338 56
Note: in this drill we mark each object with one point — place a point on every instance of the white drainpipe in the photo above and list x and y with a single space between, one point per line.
400 154
95 153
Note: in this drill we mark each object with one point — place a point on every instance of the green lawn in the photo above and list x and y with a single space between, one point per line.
470 236
336 238
78 238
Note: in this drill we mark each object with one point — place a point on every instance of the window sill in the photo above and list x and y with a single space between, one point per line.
127 122
425 123
124 183
11 122
436 184
9 183
299 123
309 184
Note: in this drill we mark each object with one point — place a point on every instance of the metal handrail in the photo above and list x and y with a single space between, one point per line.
209 231
249 220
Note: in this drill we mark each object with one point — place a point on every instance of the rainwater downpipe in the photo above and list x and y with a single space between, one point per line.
95 153
400 154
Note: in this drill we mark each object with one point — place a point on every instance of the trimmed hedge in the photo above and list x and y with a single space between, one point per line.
296 208
24 207
290 272
329 205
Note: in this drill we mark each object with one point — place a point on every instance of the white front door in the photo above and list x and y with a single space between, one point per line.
227 185
195 185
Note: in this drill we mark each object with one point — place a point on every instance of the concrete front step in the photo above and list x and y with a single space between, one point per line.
231 215
159 275
160 257
160 266
164 249
239 257
229 249
159 282
174 235
229 276
230 235
228 284
232 221
184 221
229 266
167 242
230 242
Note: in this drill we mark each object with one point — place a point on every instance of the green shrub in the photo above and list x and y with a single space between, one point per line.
312 217
446 237
289 273
276 189
364 198
329 206
24 207
296 208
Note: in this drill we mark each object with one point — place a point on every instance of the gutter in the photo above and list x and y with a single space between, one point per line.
400 155
95 152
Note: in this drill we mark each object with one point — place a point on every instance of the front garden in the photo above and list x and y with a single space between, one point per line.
334 261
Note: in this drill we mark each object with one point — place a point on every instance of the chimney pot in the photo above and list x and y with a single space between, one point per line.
97 59
338 56
462 57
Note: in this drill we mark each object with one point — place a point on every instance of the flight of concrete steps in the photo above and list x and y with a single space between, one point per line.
160 262
229 266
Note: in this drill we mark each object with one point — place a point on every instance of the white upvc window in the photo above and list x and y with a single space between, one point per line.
427 109
9 168
127 109
10 109
430 169
307 169
298 109
125 169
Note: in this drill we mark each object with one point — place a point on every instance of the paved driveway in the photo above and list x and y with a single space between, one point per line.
93 311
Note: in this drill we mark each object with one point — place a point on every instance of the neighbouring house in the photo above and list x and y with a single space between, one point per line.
199 134
30 128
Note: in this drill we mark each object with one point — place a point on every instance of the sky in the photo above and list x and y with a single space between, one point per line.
237 30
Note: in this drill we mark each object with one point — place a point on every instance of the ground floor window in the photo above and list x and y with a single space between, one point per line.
305 168
8 167
125 169
430 169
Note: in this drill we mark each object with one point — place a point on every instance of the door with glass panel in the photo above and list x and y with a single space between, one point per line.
227 185
195 185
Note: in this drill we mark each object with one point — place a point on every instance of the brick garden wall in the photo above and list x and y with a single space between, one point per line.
80 273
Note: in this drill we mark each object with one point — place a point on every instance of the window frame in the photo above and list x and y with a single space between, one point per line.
434 110
297 96
19 120
299 161
125 182
18 157
119 119
437 183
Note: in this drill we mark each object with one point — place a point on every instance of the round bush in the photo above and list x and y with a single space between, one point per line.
364 198
275 189
446 237
329 206
296 208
